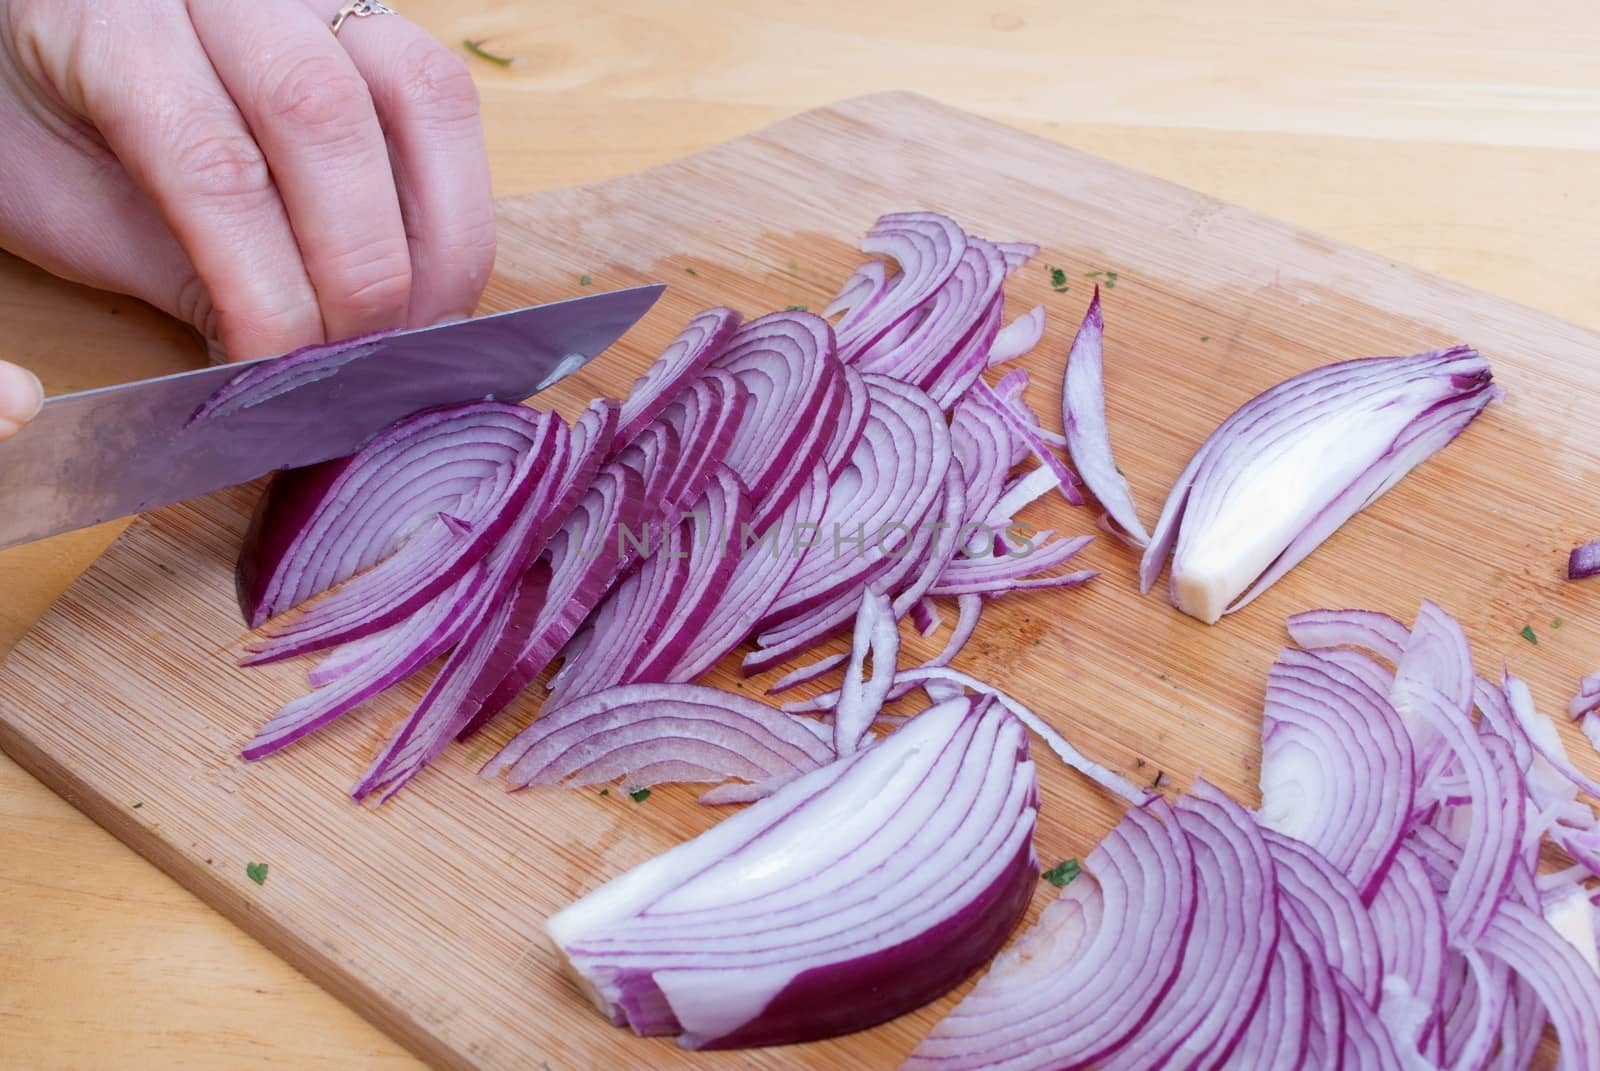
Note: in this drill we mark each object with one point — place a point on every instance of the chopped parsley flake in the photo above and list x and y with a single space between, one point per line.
1205 338
1058 280
1556 623
256 872
1527 634
640 795
605 792
136 806
477 49
1062 873
584 280
798 308
691 271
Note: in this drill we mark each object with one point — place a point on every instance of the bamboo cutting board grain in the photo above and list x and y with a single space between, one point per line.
426 913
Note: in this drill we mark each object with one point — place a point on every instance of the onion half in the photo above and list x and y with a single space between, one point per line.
777 926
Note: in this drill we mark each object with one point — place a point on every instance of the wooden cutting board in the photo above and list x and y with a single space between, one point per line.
426 914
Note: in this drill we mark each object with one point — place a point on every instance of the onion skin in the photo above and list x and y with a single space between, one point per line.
817 941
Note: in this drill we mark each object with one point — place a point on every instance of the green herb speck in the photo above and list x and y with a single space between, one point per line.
1556 622
136 806
605 792
640 795
584 280
1527 634
1092 274
792 265
1111 279
1205 338
1161 775
256 872
691 271
477 49
1058 280
1062 873
798 308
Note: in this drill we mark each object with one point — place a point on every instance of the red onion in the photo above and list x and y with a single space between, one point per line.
1083 416
703 339
650 733
878 637
319 526
786 361
1289 467
1018 337
1584 561
1026 433
928 248
262 382
1090 972
1336 766
781 925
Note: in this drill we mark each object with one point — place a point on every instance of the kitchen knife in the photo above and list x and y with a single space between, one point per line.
106 453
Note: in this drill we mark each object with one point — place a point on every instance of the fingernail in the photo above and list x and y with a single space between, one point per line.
451 318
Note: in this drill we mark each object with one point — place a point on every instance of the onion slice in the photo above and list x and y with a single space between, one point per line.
701 340
1083 417
262 382
1086 975
650 733
782 924
1290 466
319 526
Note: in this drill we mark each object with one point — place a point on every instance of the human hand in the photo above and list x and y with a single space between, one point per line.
236 164
20 398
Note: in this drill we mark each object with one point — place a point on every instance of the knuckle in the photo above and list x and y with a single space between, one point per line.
223 163
377 289
194 306
436 82
317 93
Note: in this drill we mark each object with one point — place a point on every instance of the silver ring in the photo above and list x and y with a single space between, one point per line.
360 9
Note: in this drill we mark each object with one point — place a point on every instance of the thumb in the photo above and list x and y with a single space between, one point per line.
21 396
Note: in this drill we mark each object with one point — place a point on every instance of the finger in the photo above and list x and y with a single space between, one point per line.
67 206
428 105
21 398
314 118
149 88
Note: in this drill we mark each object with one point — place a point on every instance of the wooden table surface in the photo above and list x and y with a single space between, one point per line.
1461 138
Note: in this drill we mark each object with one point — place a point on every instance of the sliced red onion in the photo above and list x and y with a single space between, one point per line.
982 451
1587 701
806 674
1495 818
319 526
706 414
702 340
997 573
1316 897
942 675
1584 561
1336 766
860 292
388 658
1564 982
786 361
1225 962
650 733
585 557
877 505
1366 1043
1083 417
945 326
1029 436
1409 922
849 422
425 566
877 637
782 924
643 626
1278 1035
928 247
1542 737
262 382
1088 974
1018 337
1289 467
960 371
527 614
504 612
766 561
1379 633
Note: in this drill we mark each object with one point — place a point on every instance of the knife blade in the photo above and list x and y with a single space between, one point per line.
101 454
